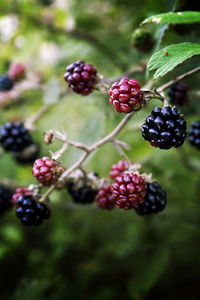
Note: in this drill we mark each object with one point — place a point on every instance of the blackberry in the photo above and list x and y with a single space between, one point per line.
5 198
178 94
28 155
165 128
16 71
125 95
45 171
82 195
118 169
18 193
6 83
104 198
154 201
194 134
14 137
31 212
81 77
128 191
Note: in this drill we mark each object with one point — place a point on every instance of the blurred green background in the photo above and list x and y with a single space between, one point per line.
83 252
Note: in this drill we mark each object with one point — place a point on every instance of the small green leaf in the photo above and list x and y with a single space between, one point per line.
166 59
52 91
174 18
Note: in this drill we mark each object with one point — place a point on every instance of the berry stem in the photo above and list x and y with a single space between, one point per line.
121 152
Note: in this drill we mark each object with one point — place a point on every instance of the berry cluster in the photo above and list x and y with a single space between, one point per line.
45 171
31 212
126 96
178 94
165 128
14 137
105 198
154 201
81 77
128 190
5 198
194 134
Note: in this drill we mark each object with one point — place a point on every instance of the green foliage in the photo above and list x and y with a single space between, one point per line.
83 252
174 18
168 58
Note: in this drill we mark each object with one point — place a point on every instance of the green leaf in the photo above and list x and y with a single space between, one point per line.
52 91
174 18
166 59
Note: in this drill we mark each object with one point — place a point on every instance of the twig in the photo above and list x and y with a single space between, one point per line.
179 78
29 123
121 152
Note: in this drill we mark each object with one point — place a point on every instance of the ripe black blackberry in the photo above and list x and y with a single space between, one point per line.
194 134
28 155
14 137
5 198
178 94
6 83
81 77
154 201
83 195
165 128
31 212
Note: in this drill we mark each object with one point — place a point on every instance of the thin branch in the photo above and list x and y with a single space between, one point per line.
29 123
121 152
179 78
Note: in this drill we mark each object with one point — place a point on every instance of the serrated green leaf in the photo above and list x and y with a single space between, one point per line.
52 91
174 18
166 59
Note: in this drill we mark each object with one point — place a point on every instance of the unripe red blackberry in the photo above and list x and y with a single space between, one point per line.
118 169
14 137
178 94
5 198
194 134
31 212
28 155
165 128
81 77
17 71
46 171
6 83
18 193
104 198
128 191
155 199
126 96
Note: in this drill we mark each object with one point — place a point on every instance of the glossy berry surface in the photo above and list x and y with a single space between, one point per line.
128 191
14 137
104 198
6 83
28 155
81 77
16 71
83 195
44 170
20 192
31 212
125 95
194 134
118 169
165 128
5 198
154 201
178 94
